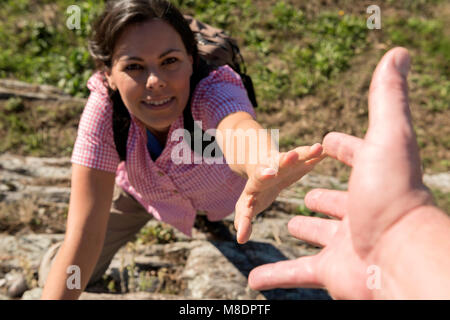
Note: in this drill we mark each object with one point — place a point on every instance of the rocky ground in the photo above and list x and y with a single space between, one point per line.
162 263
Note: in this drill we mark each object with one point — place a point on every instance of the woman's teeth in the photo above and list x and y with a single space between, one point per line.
158 103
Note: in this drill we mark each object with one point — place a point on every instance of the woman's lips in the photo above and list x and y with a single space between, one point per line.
159 106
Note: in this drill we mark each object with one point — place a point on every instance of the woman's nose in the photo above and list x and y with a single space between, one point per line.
155 81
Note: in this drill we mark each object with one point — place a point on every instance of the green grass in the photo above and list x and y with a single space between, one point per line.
51 53
310 50
47 52
292 49
442 199
426 37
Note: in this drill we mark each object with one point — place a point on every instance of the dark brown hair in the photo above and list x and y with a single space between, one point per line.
118 14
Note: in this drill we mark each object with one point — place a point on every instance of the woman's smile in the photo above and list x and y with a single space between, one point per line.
158 104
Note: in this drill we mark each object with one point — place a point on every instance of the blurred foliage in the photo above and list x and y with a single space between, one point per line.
37 46
292 49
289 53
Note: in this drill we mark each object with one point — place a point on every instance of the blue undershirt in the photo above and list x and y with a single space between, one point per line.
153 146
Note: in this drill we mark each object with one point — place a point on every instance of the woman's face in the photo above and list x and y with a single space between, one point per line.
151 69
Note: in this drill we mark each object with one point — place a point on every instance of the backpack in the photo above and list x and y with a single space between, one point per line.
215 49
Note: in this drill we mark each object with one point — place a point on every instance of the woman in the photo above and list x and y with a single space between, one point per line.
147 55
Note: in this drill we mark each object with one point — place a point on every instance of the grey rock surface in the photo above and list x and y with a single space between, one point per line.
16 284
33 294
210 265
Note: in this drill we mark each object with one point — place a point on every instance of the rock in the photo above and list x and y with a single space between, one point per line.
34 294
438 181
219 270
26 250
210 275
210 265
16 283
4 297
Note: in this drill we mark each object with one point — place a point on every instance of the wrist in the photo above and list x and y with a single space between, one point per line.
412 256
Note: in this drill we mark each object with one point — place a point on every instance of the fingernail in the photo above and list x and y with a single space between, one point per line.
402 62
315 145
269 172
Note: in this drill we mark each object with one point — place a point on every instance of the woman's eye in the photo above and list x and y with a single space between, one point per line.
133 66
170 61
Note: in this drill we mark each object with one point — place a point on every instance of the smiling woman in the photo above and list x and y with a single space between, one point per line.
154 81
148 63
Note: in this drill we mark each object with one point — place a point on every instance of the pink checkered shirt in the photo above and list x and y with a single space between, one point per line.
173 193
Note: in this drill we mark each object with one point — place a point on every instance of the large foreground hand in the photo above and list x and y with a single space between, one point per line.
385 187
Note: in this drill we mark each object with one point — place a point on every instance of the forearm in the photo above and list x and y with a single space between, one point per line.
414 257
248 145
84 254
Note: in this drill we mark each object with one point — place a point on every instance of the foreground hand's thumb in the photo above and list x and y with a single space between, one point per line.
389 114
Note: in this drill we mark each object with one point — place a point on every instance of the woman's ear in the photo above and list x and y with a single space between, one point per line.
110 79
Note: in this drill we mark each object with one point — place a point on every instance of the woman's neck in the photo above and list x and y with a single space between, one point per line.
161 136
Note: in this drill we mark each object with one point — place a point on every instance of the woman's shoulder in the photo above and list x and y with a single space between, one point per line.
98 104
97 83
218 95
222 75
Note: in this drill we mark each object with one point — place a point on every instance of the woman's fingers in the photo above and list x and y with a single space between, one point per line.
330 202
314 230
341 146
286 274
244 229
243 217
302 154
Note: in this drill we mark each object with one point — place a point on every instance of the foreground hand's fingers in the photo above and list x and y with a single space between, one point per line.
341 146
314 230
285 274
330 202
389 114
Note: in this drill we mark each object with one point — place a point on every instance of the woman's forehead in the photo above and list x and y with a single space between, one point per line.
151 38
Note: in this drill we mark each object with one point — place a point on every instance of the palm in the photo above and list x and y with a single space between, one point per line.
261 190
338 260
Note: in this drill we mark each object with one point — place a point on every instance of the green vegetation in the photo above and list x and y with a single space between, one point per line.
319 56
427 37
36 45
38 130
442 199
160 233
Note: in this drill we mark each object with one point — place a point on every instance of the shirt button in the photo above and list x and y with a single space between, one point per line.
160 173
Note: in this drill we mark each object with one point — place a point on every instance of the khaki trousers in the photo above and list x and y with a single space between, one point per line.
126 218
